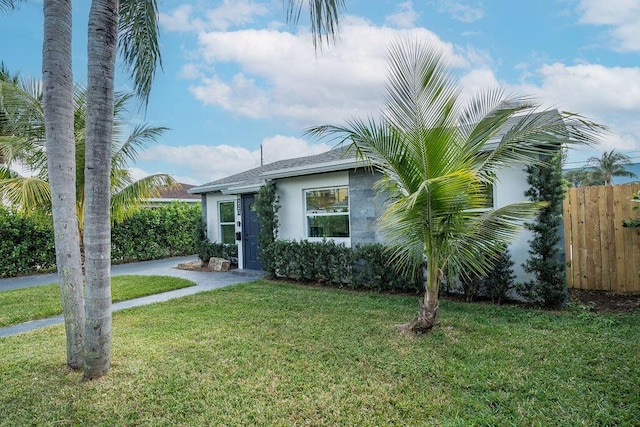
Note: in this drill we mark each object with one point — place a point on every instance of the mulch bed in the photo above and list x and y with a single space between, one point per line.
596 301
606 302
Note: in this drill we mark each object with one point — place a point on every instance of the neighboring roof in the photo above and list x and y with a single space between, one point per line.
180 192
251 180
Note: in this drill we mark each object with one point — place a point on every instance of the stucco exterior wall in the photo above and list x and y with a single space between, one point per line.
510 187
292 206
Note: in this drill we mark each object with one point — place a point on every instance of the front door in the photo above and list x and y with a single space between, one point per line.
250 230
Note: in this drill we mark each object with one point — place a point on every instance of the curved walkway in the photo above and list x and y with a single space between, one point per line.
205 281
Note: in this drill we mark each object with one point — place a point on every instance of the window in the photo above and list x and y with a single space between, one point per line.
227 222
327 212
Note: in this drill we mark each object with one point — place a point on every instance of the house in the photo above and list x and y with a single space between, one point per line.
324 196
179 193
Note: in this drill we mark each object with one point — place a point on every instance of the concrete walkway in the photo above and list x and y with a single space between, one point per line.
205 281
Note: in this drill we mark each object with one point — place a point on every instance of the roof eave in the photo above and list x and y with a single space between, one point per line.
211 188
333 166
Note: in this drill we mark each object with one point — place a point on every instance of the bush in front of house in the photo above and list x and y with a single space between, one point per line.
207 249
327 262
495 285
371 270
549 288
156 233
26 244
323 262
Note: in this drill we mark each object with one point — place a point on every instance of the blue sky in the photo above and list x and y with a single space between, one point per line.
235 75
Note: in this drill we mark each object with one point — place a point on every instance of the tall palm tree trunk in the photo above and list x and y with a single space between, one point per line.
57 81
102 40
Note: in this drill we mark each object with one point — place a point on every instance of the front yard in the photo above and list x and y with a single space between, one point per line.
273 353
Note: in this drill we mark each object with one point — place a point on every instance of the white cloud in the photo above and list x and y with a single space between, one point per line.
621 16
279 76
179 20
608 95
198 164
281 147
462 11
230 13
404 16
235 13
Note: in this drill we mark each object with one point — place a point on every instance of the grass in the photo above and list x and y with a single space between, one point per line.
22 305
270 353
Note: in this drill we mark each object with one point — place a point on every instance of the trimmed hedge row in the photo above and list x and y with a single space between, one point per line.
26 244
156 233
365 267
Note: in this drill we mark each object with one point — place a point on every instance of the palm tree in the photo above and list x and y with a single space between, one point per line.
437 157
610 164
26 145
57 80
138 43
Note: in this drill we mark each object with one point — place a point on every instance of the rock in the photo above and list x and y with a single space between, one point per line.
219 264
191 265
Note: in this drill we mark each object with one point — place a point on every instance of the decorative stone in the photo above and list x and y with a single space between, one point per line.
191 265
219 264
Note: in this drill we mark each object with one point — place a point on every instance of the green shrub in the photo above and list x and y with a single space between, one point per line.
371 271
267 206
322 262
26 244
156 233
501 279
206 249
545 262
327 262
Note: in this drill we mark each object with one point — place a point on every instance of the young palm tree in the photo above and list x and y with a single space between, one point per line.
610 164
437 157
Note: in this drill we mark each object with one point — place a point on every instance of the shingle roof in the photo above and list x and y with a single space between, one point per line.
178 193
254 176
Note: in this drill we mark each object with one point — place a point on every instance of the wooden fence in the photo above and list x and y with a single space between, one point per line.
601 254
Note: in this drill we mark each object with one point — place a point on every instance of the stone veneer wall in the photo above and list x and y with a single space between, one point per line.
365 207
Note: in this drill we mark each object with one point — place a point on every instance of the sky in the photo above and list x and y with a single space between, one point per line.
236 77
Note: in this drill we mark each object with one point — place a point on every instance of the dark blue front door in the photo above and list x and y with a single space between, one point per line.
250 230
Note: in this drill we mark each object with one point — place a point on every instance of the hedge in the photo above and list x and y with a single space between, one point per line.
27 245
326 262
156 233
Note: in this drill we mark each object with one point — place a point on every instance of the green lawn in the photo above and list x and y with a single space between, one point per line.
278 354
22 305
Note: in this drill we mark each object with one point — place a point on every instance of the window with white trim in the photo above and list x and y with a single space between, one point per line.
227 218
327 212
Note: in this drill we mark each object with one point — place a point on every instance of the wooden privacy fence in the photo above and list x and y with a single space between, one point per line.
601 254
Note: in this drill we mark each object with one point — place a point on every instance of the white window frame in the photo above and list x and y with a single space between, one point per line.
221 223
345 240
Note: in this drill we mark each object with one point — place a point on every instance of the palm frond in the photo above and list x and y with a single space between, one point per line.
141 136
139 42
485 233
324 17
27 194
129 199
8 5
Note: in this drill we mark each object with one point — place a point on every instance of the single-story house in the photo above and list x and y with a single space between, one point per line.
324 196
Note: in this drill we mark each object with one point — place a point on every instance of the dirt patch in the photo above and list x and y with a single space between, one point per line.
606 302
